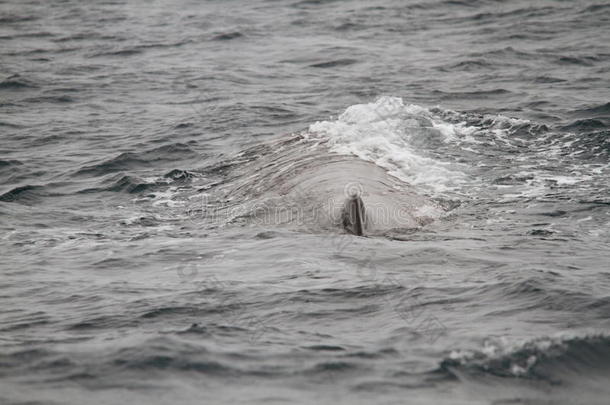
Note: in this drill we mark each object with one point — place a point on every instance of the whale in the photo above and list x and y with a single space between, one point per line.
299 183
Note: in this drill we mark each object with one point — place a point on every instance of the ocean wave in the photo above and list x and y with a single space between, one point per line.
602 110
12 19
548 79
227 36
14 172
595 8
541 292
130 184
334 63
171 353
16 82
138 160
577 60
582 139
481 94
592 147
119 52
585 125
50 99
10 163
553 360
27 194
179 175
469 65
506 53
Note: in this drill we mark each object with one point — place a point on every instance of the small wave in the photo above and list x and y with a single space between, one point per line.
574 60
595 8
507 53
325 348
593 146
91 36
50 99
17 358
554 360
179 175
174 354
548 79
312 3
227 36
470 65
334 63
585 125
140 221
12 19
27 194
332 294
332 367
349 26
135 160
8 124
513 179
172 311
130 184
541 292
472 94
4 164
101 323
39 34
134 185
184 125
524 12
15 82
120 52
181 364
460 3
13 171
602 110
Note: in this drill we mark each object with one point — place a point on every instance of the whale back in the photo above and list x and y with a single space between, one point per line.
299 183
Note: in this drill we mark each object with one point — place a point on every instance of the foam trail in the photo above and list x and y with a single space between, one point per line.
384 132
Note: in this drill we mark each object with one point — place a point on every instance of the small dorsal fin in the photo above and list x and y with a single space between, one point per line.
353 215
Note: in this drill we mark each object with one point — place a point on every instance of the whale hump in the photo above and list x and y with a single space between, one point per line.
354 216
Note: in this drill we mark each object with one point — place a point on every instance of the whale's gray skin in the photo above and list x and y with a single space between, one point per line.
298 182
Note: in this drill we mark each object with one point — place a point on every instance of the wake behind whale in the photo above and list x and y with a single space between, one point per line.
299 183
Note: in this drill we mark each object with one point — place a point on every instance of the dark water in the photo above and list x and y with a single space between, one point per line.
135 267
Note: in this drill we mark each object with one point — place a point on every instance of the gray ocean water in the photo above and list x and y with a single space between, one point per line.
136 266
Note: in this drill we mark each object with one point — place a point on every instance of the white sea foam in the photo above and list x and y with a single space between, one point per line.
385 131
